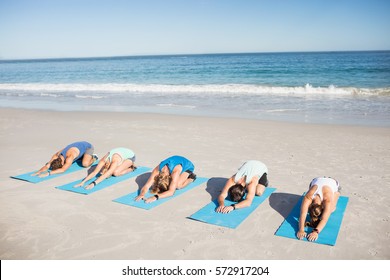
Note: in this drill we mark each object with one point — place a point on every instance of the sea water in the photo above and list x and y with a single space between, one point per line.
312 87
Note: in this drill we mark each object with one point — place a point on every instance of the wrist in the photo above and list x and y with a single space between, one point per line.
49 172
156 196
234 206
316 230
93 183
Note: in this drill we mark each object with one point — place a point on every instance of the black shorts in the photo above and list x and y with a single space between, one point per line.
264 180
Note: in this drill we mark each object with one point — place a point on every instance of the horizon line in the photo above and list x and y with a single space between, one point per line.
180 54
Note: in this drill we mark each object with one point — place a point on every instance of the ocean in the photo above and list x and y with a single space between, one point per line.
310 87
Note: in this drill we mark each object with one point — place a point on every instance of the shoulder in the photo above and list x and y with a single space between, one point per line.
311 191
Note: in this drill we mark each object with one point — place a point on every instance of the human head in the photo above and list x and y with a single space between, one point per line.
56 164
236 192
161 183
315 212
105 167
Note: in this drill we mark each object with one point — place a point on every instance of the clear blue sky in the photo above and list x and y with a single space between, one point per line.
85 28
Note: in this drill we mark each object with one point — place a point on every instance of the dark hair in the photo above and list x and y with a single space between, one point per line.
236 192
56 164
315 212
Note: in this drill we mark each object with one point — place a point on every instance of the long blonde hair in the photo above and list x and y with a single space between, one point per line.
161 183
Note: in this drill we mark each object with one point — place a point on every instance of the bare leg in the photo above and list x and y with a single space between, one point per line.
260 189
124 168
336 197
184 180
87 160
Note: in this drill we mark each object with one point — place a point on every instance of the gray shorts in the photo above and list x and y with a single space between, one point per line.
90 151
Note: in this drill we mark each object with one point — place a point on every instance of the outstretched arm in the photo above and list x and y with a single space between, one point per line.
221 198
47 165
172 186
148 184
302 217
67 164
91 175
313 236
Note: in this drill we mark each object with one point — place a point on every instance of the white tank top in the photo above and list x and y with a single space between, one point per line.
324 181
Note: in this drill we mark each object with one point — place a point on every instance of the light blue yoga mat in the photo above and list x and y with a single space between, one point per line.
233 219
76 166
129 198
328 235
104 184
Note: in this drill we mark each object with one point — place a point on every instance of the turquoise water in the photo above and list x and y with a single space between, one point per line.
329 87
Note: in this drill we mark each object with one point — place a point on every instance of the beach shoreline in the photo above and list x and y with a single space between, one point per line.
41 222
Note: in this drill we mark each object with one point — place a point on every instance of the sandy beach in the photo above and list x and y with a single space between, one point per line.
38 221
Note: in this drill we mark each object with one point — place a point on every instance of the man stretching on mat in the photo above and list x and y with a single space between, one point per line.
320 201
63 159
251 177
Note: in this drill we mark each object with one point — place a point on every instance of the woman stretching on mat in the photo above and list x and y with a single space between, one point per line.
173 173
117 162
251 177
63 159
320 201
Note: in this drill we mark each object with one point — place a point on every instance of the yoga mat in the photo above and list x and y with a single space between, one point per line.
76 166
129 198
104 184
328 235
233 219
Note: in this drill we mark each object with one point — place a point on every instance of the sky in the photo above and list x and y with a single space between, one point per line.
98 28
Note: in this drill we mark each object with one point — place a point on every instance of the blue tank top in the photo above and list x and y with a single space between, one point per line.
83 146
171 162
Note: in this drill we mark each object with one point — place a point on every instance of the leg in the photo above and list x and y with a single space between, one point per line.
260 189
126 167
336 197
88 158
262 184
184 180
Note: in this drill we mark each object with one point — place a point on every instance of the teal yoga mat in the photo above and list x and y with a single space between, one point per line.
233 219
76 166
104 184
328 235
129 198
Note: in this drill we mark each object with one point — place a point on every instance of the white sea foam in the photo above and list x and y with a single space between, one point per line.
224 89
176 105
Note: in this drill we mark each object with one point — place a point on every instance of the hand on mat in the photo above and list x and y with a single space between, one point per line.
225 209
78 185
90 186
138 198
313 236
43 175
301 234
150 199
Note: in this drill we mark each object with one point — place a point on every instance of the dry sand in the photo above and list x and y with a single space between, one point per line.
38 221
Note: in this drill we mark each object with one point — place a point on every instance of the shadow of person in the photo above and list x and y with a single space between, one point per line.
91 169
142 179
283 203
215 186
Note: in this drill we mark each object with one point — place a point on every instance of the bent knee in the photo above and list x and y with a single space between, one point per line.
116 173
259 193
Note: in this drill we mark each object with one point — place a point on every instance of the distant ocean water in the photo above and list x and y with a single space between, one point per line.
317 87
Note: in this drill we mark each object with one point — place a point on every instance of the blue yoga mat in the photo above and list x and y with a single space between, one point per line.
76 166
104 184
233 219
129 198
328 235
